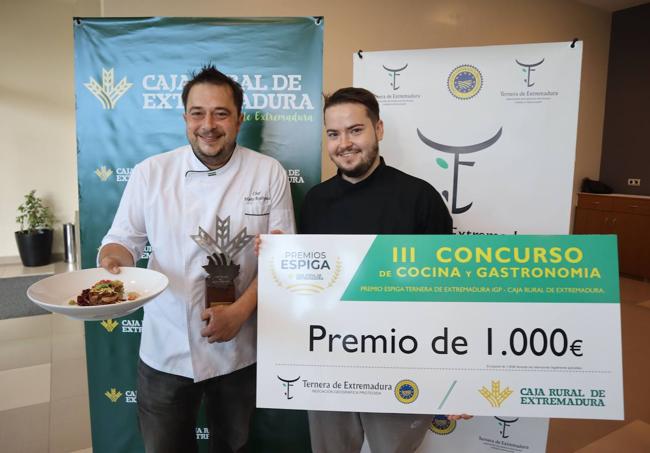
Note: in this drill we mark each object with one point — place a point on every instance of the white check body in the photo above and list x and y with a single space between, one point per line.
301 367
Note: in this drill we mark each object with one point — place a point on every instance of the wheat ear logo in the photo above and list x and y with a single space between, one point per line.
113 395
108 93
495 396
109 324
103 173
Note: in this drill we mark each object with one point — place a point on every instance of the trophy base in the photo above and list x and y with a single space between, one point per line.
219 295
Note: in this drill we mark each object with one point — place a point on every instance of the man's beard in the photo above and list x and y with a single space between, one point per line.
363 166
214 161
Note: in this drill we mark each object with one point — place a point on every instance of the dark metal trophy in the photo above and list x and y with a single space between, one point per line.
222 271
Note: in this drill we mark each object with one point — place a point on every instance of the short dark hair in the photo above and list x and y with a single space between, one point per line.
210 74
353 95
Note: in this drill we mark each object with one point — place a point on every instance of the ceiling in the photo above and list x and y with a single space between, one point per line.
613 5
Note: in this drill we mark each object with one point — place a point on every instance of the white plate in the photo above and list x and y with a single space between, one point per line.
54 293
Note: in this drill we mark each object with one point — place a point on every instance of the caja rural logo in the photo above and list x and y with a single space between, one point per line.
114 395
495 395
103 173
122 174
305 271
128 325
108 93
109 324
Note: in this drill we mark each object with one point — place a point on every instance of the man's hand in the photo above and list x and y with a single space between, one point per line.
114 256
258 241
459 417
111 264
224 322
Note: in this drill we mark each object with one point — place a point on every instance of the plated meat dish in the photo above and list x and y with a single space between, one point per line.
104 292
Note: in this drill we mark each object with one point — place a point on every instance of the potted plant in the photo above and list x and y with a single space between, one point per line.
34 239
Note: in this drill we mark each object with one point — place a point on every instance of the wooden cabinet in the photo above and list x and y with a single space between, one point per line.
626 216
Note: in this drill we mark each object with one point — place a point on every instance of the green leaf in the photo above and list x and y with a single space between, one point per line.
442 163
33 214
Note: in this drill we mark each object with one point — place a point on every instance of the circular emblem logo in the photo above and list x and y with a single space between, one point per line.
406 391
306 272
442 425
465 82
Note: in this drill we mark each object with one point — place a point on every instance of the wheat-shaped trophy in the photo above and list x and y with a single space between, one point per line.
222 271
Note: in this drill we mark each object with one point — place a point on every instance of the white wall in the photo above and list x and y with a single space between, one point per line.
37 131
37 126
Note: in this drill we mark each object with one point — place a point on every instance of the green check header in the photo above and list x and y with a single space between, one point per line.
550 269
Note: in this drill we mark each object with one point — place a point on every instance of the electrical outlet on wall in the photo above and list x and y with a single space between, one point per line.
634 182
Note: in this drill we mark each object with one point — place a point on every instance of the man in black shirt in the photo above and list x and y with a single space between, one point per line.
367 197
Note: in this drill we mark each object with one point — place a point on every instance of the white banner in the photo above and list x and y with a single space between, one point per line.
517 104
484 435
492 128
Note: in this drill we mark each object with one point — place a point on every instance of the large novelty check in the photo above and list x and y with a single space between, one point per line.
491 325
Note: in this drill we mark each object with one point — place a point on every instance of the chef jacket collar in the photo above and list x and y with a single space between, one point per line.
197 169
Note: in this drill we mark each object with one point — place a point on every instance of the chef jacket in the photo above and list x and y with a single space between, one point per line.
168 197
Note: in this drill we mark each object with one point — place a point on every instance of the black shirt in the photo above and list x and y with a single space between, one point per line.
386 202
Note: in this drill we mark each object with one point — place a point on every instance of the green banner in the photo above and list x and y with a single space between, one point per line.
129 76
508 268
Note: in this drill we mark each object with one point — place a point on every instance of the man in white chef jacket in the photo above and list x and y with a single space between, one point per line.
188 352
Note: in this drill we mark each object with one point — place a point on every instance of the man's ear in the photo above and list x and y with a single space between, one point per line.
379 129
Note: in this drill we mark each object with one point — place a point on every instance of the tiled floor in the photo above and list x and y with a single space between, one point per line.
572 435
43 384
44 390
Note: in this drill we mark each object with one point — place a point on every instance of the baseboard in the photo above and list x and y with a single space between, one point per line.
9 260
16 259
